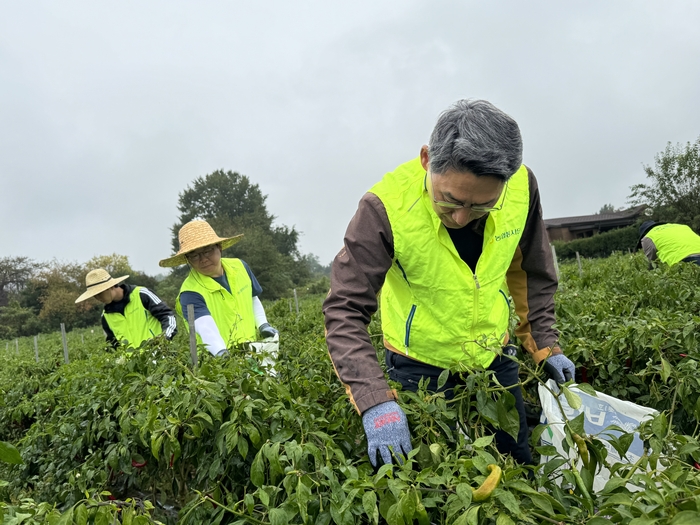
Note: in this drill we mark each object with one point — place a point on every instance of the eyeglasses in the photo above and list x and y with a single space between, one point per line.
477 209
196 256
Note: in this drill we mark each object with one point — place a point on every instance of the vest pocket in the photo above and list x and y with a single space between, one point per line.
409 321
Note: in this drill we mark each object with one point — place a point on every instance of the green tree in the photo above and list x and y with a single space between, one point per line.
607 208
118 265
58 286
17 321
673 190
15 273
232 204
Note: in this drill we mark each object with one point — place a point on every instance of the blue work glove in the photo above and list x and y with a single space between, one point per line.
267 331
560 368
386 426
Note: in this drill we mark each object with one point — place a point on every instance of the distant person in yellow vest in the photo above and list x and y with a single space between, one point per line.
669 243
440 237
224 292
132 314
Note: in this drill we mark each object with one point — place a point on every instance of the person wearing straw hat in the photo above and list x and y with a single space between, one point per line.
123 319
223 291
669 243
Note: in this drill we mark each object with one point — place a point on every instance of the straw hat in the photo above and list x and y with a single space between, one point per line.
97 281
193 235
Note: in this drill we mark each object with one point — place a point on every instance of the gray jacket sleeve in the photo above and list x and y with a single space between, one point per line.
649 248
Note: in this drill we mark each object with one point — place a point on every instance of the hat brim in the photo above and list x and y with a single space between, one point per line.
99 288
644 234
180 258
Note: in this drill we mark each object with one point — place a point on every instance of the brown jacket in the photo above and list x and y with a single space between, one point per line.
358 273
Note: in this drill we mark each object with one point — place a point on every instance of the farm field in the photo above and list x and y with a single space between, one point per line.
145 438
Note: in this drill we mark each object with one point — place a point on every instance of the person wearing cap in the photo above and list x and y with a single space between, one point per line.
446 238
132 314
669 243
223 291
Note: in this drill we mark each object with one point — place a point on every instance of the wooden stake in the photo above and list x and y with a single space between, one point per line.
556 263
65 343
36 348
296 301
580 269
193 335
17 346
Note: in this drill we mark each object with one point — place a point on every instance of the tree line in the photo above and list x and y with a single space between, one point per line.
37 296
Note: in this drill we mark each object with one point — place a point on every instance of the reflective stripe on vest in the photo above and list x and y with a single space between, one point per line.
433 308
232 311
674 242
136 325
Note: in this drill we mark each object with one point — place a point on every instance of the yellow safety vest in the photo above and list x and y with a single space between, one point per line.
674 242
232 311
433 308
136 325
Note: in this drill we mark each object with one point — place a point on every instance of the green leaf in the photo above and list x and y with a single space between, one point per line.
686 517
66 518
573 399
508 417
464 492
508 501
279 517
156 443
577 424
242 447
9 454
408 506
665 370
281 436
104 515
660 425
542 503
469 517
369 503
444 375
537 433
395 515
504 519
80 515
257 470
587 389
483 441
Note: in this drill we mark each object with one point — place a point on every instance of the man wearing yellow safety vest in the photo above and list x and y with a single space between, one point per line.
669 243
223 291
132 314
446 238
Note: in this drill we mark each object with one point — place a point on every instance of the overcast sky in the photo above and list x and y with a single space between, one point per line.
109 109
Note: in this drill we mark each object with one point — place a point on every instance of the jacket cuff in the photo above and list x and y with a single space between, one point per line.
375 398
543 353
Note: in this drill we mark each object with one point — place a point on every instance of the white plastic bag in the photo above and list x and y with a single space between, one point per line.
600 412
268 348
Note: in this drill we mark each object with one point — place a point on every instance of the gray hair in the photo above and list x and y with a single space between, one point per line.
476 136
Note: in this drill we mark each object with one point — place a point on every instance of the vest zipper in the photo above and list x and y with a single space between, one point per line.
475 318
408 327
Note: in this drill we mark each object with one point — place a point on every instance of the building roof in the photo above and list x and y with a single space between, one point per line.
618 218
